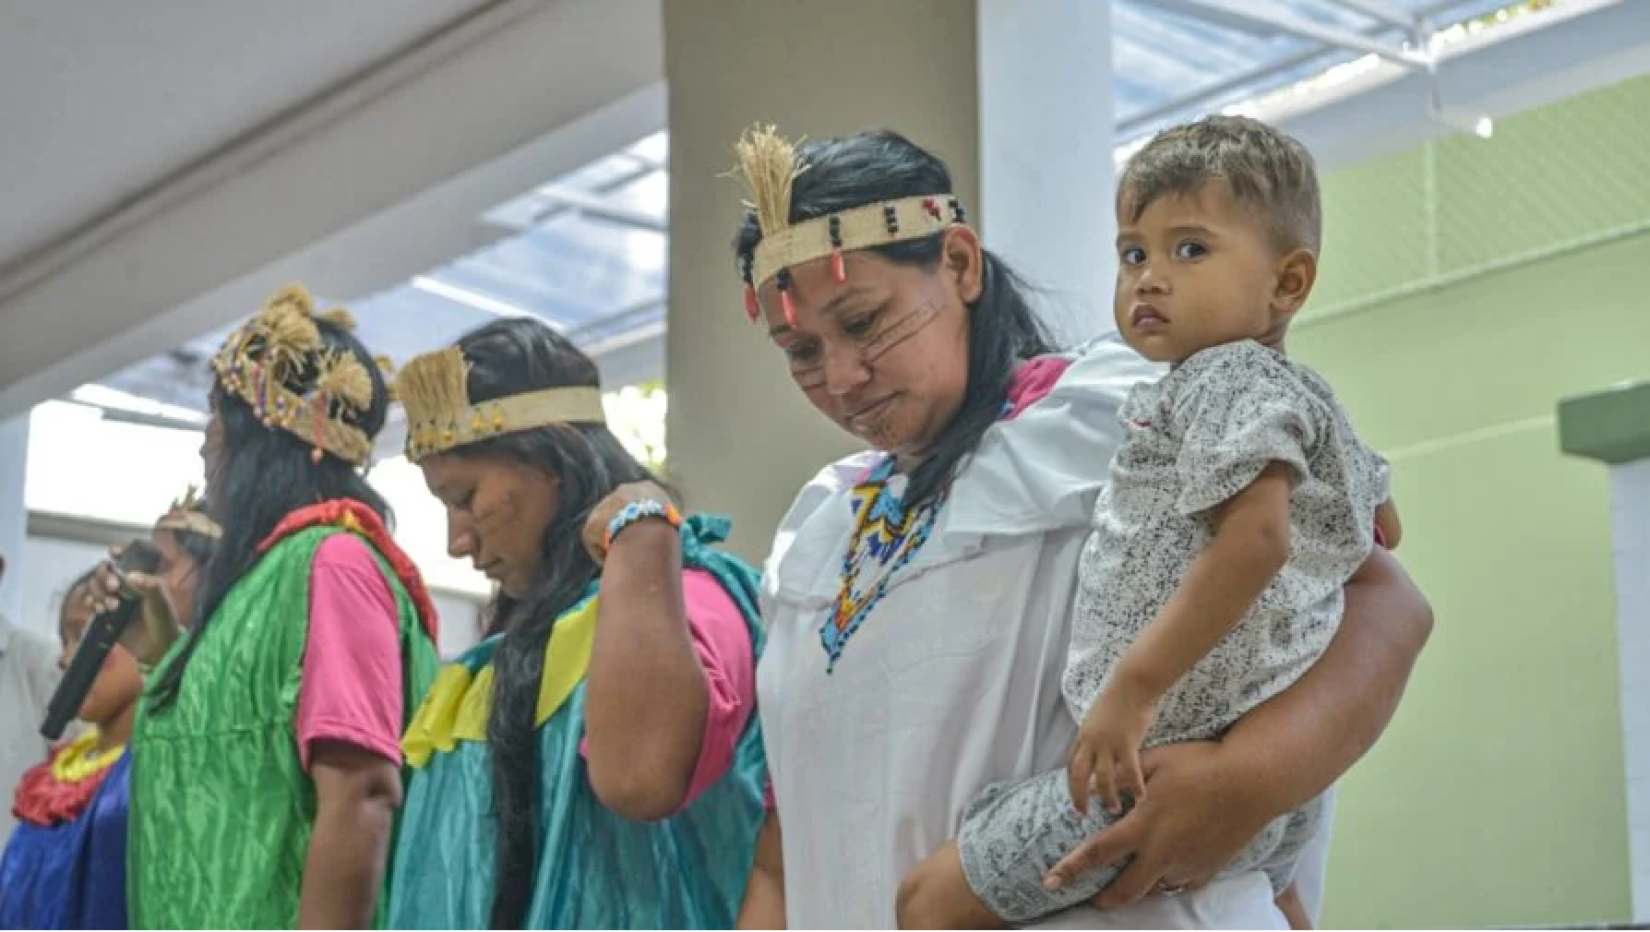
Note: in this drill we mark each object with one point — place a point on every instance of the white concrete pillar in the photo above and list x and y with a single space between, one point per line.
1046 175
1630 523
1613 427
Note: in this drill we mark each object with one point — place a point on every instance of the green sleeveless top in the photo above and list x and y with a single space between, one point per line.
221 808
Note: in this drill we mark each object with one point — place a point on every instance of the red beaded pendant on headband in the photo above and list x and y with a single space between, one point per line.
783 280
839 268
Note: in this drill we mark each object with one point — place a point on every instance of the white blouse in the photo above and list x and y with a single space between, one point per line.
953 680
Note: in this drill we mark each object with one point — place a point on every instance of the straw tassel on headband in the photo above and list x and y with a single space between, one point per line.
769 165
434 388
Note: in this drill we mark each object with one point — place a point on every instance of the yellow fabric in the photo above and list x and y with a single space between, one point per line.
457 705
432 729
567 658
79 760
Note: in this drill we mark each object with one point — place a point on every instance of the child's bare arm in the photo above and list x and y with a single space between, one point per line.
1250 546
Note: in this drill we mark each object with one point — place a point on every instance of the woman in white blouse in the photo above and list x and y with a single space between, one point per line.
918 596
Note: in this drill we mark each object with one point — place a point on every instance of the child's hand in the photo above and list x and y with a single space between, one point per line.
1105 760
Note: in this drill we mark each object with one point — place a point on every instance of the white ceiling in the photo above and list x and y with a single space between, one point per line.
165 164
83 85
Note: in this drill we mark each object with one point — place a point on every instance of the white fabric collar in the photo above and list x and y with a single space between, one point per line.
1034 474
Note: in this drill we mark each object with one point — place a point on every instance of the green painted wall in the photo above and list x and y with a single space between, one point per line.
1497 796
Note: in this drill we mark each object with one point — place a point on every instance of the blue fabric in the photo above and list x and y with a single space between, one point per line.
596 870
34 875
96 888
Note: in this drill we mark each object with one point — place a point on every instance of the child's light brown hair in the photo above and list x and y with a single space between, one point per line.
1268 170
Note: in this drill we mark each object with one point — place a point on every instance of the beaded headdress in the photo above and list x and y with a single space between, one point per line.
186 515
278 349
768 163
434 388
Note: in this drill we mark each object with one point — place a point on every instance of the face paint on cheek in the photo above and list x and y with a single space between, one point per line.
809 378
489 522
504 519
891 335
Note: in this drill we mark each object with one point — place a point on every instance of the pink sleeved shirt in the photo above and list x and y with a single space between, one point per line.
351 689
724 646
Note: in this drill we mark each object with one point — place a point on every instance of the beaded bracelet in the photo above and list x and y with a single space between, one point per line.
640 511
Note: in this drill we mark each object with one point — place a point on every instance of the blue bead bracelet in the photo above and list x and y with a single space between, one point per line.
641 511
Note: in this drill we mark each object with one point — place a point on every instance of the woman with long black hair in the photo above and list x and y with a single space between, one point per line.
594 762
919 595
266 769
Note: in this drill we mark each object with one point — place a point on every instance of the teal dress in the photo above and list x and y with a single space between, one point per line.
595 869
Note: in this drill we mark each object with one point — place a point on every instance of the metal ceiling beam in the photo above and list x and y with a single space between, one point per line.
1532 60
470 298
1219 11
1384 12
598 207
610 345
647 164
642 311
143 419
1139 123
517 216
1236 22
1144 121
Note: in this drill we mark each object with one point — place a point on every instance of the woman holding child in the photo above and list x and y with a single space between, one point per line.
920 597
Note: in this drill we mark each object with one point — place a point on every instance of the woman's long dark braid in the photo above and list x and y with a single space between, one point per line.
267 474
1004 330
507 358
